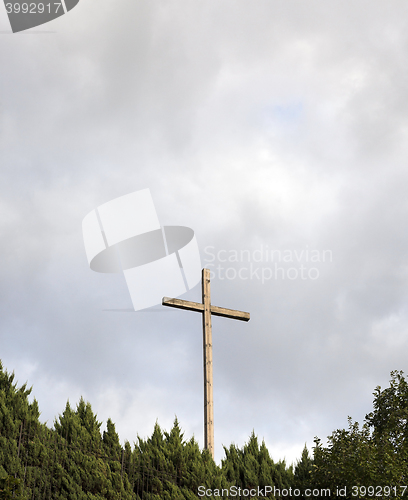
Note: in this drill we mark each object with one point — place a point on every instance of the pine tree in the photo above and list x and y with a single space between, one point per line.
17 415
91 462
252 467
303 473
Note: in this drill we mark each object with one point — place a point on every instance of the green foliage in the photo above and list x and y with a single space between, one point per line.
10 487
15 413
303 473
375 454
252 467
389 422
76 461
181 466
347 460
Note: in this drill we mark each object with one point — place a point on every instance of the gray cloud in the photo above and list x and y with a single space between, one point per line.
269 124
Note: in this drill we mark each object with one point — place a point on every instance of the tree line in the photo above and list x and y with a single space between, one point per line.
74 460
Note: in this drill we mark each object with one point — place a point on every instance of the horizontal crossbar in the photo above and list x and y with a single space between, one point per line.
215 310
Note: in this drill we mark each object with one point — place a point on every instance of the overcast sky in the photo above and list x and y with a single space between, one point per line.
273 129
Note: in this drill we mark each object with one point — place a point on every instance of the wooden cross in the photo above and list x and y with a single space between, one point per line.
207 309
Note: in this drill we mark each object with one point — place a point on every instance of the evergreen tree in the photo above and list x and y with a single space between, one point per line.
303 473
111 445
16 416
177 468
252 467
10 488
74 461
92 463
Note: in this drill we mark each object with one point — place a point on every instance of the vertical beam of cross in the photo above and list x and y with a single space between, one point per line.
206 309
208 364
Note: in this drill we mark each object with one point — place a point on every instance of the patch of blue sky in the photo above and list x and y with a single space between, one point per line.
286 115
